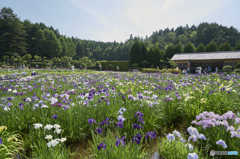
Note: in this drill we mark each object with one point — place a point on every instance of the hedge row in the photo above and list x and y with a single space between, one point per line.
123 65
40 64
154 70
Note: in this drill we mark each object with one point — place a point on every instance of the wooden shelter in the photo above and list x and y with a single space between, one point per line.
190 61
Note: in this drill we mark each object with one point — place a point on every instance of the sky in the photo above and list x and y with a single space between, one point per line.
109 20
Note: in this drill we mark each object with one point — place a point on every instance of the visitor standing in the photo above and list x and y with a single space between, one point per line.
117 68
200 70
72 68
209 69
216 69
100 67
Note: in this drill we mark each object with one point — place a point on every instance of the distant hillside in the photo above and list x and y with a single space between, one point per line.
203 33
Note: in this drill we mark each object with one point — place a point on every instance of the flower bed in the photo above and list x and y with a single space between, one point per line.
121 112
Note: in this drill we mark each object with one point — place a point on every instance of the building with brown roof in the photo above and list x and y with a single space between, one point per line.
205 60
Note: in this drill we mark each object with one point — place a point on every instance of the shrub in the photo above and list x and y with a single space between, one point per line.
237 66
54 67
135 65
40 64
150 70
237 70
227 68
154 70
123 65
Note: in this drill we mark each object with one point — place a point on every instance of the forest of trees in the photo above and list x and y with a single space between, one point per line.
18 38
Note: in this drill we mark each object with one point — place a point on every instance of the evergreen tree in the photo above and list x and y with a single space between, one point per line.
71 48
166 31
225 47
177 41
189 48
211 47
135 53
169 52
237 46
154 39
40 40
64 46
209 33
200 35
179 31
52 45
33 44
131 37
150 56
170 37
157 56
12 34
201 48
143 51
162 54
79 51
178 48
193 28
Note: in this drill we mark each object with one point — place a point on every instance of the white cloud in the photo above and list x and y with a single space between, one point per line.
93 11
141 17
118 33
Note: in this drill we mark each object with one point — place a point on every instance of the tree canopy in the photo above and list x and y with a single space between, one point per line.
18 38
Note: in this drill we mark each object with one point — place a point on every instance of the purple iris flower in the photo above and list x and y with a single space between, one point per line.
66 107
91 120
139 114
99 130
136 126
119 124
192 156
221 142
120 141
1 141
104 122
137 138
150 134
90 97
140 120
55 117
101 145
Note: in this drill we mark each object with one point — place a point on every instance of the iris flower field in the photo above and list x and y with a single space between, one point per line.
120 115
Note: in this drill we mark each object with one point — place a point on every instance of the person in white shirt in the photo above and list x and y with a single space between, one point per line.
33 73
72 68
200 70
